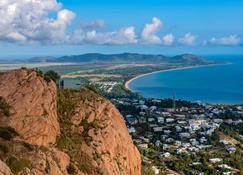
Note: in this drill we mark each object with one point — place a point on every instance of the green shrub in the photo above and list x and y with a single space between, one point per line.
4 107
95 124
147 170
70 141
71 169
72 146
39 73
66 104
28 146
17 165
8 133
44 149
51 75
4 148
83 160
92 87
64 142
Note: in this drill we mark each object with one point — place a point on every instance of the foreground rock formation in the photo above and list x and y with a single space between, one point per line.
45 131
33 112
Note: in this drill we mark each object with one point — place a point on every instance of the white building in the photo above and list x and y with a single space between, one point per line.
166 155
156 170
169 120
131 130
215 160
158 129
151 119
161 119
143 145
185 135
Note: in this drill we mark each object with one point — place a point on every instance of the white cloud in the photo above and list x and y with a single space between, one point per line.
168 39
123 36
188 39
228 40
93 25
13 36
46 21
30 21
149 32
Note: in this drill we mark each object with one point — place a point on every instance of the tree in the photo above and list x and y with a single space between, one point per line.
51 75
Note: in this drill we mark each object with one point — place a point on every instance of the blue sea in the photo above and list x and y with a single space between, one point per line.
221 84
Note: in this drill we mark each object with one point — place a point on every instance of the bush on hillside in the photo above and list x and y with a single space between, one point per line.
17 165
51 75
7 133
4 107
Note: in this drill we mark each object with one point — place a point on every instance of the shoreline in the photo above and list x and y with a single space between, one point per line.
126 85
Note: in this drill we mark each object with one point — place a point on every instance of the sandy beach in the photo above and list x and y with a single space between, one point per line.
167 70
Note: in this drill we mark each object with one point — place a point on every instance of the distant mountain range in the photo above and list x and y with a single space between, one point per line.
125 58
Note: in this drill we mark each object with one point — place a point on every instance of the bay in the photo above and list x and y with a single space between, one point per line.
213 84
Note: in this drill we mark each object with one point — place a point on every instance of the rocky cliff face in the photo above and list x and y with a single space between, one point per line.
98 134
33 106
45 131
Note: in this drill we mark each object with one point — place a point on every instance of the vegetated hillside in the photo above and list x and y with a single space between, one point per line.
41 59
127 58
45 131
190 58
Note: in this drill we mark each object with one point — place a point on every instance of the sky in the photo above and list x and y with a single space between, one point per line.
67 27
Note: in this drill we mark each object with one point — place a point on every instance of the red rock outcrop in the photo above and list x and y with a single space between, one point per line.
110 146
51 162
76 132
33 106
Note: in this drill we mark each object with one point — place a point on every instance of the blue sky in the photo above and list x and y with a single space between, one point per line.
108 26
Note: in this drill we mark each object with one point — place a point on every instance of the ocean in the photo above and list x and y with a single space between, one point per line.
219 84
